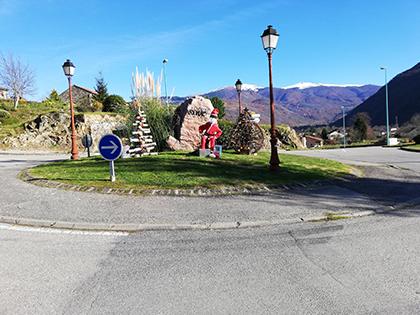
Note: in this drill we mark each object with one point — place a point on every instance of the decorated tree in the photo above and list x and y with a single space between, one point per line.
246 137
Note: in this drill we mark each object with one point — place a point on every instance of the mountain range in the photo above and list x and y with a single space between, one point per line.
404 100
297 105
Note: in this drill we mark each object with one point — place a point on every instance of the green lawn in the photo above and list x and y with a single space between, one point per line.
415 147
183 171
26 112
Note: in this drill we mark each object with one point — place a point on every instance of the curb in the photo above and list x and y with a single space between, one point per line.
143 227
409 150
195 192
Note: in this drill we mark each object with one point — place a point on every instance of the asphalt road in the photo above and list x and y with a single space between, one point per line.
20 199
360 266
378 156
391 176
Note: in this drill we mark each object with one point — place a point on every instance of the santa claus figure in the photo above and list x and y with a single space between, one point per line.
210 131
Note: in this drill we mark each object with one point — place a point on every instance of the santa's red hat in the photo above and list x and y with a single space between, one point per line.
214 113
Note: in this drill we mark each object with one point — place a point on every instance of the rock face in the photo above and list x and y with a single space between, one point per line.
187 118
53 130
287 137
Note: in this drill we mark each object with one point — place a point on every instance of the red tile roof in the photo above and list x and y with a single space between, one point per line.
85 89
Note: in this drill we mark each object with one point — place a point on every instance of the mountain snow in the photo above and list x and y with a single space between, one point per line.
250 87
300 86
245 87
306 85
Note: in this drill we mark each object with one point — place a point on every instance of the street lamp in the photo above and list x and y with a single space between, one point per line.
386 104
270 38
344 127
238 86
68 68
165 61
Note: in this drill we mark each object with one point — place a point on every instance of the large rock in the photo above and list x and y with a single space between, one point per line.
287 137
53 130
188 117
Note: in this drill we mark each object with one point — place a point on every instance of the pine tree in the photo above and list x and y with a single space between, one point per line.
324 134
361 127
101 88
219 104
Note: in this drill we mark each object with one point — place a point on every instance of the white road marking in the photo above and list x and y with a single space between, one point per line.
20 228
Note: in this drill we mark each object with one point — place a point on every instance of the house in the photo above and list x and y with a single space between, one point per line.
335 135
3 93
82 97
312 142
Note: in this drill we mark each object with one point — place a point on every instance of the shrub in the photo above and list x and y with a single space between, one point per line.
4 114
53 97
226 126
416 139
6 105
97 106
115 104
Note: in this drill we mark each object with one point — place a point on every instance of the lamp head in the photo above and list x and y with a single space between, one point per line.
238 86
270 39
68 68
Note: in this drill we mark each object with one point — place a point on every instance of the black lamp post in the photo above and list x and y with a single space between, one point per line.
238 86
68 68
270 38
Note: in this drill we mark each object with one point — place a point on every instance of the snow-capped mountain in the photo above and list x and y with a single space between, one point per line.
307 85
296 105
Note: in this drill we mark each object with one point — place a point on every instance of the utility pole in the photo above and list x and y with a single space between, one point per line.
344 127
165 61
386 105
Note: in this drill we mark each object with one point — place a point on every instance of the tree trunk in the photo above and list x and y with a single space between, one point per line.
16 101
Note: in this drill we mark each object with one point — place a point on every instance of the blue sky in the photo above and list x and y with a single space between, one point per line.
210 43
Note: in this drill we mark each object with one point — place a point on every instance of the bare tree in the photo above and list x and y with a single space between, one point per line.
17 77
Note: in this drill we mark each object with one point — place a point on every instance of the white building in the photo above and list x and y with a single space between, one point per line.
3 93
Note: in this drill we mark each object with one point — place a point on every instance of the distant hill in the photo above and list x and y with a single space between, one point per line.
404 100
297 105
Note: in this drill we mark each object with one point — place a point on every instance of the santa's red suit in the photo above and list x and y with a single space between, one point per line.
210 131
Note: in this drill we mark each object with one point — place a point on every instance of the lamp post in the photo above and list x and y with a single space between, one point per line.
238 86
386 105
270 38
165 61
68 69
344 127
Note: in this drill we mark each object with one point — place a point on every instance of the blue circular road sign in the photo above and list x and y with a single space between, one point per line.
110 147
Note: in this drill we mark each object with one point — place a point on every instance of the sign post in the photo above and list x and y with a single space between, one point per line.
110 147
87 142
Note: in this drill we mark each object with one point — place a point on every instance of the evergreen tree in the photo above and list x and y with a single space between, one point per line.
361 127
219 104
54 97
324 134
101 89
115 104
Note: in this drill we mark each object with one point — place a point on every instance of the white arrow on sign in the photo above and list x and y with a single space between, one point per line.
112 147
